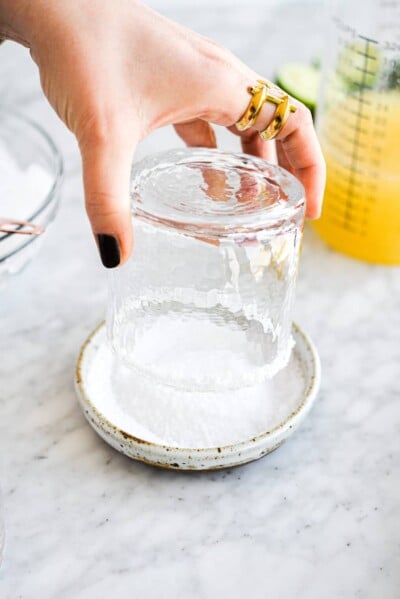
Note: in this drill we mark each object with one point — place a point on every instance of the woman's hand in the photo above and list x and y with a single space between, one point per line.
115 71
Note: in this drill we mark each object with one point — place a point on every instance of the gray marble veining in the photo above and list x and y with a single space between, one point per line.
319 518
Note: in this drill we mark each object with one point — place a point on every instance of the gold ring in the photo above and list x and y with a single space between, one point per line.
279 120
258 97
265 91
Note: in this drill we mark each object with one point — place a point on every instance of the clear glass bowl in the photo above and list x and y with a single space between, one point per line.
2 530
30 175
205 302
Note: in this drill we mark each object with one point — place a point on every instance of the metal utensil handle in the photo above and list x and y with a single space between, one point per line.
10 225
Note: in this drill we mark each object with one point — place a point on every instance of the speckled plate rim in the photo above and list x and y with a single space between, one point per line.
210 458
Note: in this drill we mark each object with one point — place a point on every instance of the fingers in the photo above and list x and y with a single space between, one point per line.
301 149
197 133
282 158
256 146
299 144
215 184
299 152
253 144
298 138
106 161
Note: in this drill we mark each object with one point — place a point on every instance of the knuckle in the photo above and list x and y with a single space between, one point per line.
214 52
97 123
95 128
101 204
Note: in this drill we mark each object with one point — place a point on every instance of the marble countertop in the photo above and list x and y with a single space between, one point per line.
319 518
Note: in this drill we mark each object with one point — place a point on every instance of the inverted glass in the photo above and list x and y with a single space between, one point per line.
205 302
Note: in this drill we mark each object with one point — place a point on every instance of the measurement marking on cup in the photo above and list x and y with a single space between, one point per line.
355 112
335 138
363 100
359 84
371 73
369 40
357 127
352 182
367 55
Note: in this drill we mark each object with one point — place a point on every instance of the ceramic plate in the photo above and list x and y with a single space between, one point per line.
253 447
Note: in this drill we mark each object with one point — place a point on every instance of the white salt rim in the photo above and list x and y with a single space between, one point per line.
180 419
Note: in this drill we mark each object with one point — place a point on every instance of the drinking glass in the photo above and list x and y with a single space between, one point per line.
205 302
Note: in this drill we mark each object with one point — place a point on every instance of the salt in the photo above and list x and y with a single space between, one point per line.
22 189
167 416
201 342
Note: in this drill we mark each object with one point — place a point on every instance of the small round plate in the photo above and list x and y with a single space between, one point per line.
118 431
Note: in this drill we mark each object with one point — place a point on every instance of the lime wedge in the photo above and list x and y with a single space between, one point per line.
301 81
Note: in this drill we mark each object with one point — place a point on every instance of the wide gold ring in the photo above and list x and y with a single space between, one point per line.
279 120
265 91
258 94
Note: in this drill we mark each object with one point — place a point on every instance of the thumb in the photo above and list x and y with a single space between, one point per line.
106 178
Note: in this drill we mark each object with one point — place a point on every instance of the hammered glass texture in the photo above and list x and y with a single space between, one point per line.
205 302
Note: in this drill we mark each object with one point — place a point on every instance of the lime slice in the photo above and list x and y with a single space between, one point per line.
300 81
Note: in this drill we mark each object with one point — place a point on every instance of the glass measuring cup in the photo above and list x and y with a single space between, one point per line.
205 301
358 123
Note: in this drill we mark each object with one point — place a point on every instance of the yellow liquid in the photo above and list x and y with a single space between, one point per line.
360 138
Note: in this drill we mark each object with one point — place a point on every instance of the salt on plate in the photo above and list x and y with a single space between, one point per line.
166 416
22 189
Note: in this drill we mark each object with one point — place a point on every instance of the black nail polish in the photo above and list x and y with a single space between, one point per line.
109 250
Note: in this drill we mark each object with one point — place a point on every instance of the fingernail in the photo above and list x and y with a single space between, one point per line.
109 250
